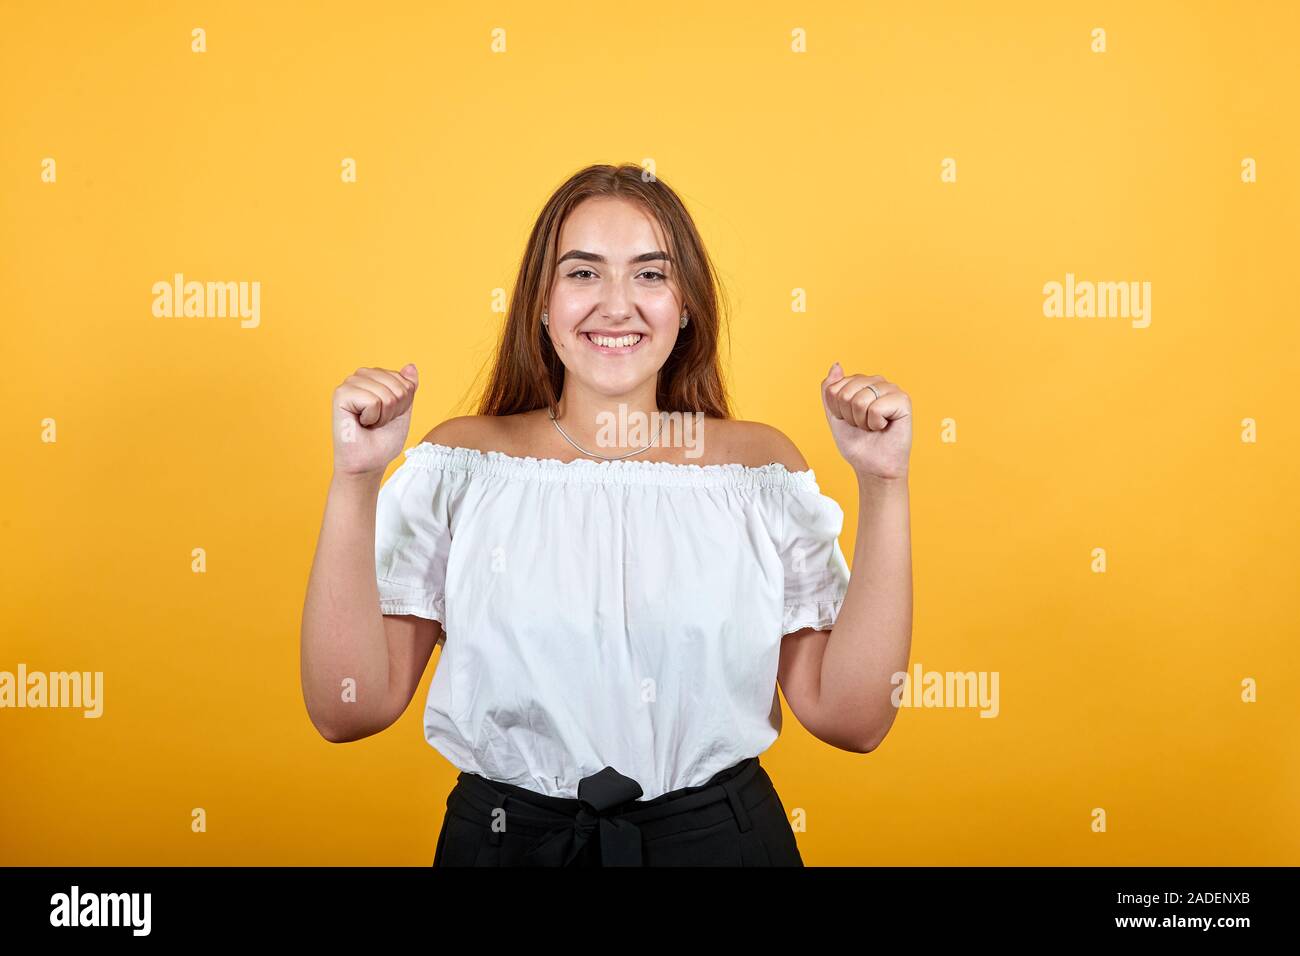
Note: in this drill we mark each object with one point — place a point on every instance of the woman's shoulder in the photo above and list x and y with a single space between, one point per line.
478 432
755 444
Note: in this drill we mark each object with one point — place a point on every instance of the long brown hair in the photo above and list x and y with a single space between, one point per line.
528 373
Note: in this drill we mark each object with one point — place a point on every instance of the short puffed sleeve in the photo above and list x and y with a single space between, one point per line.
413 525
816 574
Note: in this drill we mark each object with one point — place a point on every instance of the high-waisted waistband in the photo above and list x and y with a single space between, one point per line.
606 806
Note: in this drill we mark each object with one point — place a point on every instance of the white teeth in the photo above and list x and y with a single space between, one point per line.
618 343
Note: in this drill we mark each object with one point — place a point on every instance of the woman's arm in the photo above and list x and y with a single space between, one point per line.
871 421
872 637
359 668
840 683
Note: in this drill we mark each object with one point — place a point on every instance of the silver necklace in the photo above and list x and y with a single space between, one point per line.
551 412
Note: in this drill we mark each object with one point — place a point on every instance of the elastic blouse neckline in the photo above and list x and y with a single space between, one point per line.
625 472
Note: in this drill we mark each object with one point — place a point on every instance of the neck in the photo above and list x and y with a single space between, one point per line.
609 424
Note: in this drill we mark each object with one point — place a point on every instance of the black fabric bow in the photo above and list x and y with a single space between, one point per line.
620 841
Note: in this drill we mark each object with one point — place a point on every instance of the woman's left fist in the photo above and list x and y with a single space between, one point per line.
871 420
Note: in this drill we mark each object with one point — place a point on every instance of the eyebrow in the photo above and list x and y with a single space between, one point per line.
594 257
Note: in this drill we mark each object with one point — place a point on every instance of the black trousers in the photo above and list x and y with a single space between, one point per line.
733 819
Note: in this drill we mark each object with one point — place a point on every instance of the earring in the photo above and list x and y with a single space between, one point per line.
684 320
545 320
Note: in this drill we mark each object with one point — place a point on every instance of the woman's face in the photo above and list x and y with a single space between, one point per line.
612 281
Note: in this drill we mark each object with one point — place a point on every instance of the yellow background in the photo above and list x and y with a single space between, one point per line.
817 171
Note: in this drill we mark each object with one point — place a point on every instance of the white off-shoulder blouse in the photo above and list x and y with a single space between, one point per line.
621 613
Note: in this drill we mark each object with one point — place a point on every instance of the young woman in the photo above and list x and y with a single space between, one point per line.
619 573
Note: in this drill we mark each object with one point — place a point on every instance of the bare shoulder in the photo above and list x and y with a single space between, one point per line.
482 432
755 444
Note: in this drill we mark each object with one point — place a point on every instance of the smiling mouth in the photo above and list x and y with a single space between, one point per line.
615 344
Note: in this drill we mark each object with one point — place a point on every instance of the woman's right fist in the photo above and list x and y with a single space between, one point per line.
372 416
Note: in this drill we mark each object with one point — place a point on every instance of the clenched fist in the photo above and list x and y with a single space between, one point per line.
372 416
871 422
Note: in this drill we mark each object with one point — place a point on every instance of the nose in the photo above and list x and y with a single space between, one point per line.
615 302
